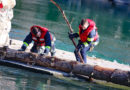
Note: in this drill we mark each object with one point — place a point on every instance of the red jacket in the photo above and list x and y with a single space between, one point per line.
83 36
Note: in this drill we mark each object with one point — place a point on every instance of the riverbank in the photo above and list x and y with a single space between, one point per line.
16 44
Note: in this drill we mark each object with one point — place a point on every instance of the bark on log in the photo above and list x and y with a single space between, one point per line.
83 69
96 72
105 72
120 77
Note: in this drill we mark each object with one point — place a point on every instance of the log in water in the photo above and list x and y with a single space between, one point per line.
110 75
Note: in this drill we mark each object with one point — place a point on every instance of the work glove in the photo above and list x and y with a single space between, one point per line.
40 50
71 36
91 48
53 54
22 48
46 51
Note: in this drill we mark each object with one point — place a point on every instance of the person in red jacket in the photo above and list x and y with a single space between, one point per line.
42 39
89 38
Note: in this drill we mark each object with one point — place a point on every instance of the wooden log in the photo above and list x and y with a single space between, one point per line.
62 65
83 69
105 72
96 72
120 77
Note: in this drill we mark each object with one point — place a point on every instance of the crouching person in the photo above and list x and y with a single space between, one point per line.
43 41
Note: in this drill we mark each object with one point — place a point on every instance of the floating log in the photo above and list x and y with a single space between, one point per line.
100 73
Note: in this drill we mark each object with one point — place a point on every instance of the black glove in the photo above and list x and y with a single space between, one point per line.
46 51
73 35
22 48
70 35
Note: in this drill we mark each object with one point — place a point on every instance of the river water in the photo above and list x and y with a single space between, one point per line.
113 22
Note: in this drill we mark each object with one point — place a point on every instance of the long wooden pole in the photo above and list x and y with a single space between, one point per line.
71 30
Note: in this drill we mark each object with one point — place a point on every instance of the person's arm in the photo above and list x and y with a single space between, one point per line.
26 42
47 40
47 43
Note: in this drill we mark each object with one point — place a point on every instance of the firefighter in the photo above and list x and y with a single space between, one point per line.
43 41
89 38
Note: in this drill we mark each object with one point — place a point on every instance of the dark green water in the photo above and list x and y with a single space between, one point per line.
113 24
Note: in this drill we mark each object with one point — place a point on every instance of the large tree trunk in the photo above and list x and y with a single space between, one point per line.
110 75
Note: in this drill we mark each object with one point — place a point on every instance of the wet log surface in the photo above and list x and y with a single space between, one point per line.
100 73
